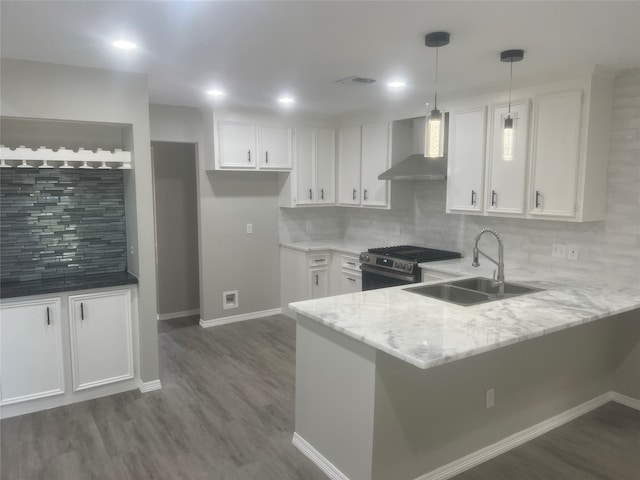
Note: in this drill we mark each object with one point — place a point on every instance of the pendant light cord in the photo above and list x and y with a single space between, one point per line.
510 84
435 102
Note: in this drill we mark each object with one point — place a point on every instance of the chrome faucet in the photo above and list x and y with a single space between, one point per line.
499 263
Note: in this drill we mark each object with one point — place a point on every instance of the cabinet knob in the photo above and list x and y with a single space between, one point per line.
494 197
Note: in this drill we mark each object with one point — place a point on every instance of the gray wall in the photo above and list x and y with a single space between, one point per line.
611 246
229 258
47 91
174 174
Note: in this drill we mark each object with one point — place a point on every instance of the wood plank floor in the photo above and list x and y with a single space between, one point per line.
226 413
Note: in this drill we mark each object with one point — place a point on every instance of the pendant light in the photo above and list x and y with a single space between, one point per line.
434 128
507 135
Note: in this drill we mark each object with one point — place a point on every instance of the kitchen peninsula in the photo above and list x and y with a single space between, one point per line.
391 384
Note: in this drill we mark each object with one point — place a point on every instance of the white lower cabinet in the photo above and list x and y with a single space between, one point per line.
319 278
101 338
350 282
31 350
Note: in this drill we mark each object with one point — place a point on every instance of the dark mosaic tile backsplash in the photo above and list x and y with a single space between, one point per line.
57 223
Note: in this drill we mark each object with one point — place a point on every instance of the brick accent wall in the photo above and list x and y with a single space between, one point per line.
59 223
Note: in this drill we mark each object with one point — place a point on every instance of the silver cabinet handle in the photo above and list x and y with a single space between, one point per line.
48 317
249 155
316 279
537 198
365 195
310 194
494 199
354 193
322 194
266 157
351 279
473 197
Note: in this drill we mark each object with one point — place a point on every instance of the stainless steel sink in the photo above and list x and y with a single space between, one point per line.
471 291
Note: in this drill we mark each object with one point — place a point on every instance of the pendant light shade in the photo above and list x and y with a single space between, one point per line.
508 137
434 128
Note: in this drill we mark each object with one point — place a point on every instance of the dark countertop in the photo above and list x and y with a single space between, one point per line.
65 284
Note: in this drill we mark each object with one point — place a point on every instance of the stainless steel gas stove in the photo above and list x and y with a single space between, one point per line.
392 266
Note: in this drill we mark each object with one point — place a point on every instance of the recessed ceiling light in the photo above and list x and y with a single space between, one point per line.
215 93
286 100
396 85
124 44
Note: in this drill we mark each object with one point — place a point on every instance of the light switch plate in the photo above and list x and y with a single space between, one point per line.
559 250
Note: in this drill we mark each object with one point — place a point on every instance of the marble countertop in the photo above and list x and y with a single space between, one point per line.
427 332
335 245
65 284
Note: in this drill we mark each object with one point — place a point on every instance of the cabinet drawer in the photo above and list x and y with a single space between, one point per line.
350 261
318 259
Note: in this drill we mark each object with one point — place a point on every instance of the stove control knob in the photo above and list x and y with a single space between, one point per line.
364 257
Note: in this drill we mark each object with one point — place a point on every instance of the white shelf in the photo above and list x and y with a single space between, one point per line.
43 157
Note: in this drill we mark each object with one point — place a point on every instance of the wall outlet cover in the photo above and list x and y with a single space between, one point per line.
230 299
573 251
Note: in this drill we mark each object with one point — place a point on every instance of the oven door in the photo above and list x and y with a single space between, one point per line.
373 278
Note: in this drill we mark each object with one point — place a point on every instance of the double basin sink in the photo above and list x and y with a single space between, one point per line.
472 291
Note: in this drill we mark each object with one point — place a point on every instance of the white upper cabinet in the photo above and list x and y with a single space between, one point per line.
236 145
555 154
244 143
349 157
312 180
275 148
465 169
31 350
375 160
506 175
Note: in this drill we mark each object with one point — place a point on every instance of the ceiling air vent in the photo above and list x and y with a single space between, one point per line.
356 80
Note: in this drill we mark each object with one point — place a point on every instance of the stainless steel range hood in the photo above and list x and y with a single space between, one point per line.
417 166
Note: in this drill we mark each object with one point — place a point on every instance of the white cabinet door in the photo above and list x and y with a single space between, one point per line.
554 165
506 178
237 149
375 160
350 282
319 282
31 350
325 164
349 145
275 148
101 338
465 175
304 171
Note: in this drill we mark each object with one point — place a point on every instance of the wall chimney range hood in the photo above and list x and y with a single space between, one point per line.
417 166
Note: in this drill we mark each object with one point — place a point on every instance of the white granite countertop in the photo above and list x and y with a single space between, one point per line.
426 332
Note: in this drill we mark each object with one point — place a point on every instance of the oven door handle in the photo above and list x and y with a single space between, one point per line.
385 273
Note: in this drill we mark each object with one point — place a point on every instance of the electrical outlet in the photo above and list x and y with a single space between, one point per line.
559 250
573 250
249 228
490 397
230 299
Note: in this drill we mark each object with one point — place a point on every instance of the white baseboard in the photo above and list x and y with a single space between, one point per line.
171 316
624 400
487 453
150 386
239 318
316 457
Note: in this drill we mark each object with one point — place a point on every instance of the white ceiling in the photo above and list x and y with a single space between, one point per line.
258 50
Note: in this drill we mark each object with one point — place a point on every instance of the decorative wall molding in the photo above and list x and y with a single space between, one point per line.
316 457
150 386
171 316
239 318
625 400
